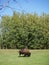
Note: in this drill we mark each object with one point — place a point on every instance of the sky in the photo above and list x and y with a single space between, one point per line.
27 6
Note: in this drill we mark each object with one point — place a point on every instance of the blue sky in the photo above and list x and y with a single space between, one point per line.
28 6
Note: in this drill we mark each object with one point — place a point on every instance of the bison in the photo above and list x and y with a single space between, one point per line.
24 52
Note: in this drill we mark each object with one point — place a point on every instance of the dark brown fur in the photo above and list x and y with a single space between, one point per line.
24 52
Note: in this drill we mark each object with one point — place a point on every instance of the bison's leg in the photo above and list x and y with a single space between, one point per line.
29 54
19 53
24 55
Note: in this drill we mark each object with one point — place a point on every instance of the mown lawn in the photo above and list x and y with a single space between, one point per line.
11 57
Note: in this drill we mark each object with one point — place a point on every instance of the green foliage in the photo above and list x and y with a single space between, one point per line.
21 30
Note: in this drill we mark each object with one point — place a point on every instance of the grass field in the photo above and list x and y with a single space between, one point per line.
11 57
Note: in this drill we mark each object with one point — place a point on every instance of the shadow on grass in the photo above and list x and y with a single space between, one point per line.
23 56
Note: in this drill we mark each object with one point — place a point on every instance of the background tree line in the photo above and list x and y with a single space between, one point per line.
24 30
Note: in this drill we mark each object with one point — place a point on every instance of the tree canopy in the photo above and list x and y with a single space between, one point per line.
21 30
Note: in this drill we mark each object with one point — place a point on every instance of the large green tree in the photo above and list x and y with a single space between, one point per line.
21 30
